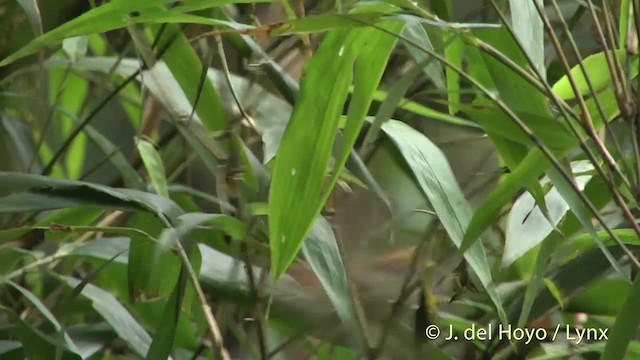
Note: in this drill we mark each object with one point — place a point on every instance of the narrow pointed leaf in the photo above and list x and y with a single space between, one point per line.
527 226
321 251
116 315
154 166
625 326
46 193
433 173
296 186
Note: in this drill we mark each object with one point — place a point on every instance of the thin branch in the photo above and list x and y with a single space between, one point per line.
211 320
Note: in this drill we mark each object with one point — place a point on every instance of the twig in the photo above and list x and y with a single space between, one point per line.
211 320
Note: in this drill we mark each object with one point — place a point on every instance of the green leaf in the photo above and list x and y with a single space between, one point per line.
270 113
145 279
515 91
36 345
153 163
583 215
583 242
597 70
395 177
185 67
322 252
609 105
422 110
623 26
553 289
498 124
110 16
165 334
625 325
569 279
11 350
18 140
103 18
76 47
69 92
603 298
437 181
298 190
532 166
527 226
33 299
235 228
325 22
130 176
527 26
32 11
453 55
127 328
155 266
46 193
417 35
388 106
105 248
296 186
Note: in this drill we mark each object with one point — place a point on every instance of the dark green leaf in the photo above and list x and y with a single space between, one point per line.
45 193
625 326
116 315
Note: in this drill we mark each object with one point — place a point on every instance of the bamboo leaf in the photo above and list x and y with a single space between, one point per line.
127 328
25 192
296 185
625 325
32 10
597 72
437 181
298 191
527 26
527 226
153 163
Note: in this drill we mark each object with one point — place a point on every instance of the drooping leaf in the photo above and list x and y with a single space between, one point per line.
46 193
36 345
625 325
415 32
527 26
130 176
433 173
322 252
44 311
32 10
527 226
116 315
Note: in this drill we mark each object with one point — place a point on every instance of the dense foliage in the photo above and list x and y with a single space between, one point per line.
205 179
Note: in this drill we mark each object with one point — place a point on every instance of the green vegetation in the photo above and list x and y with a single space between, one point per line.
212 179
